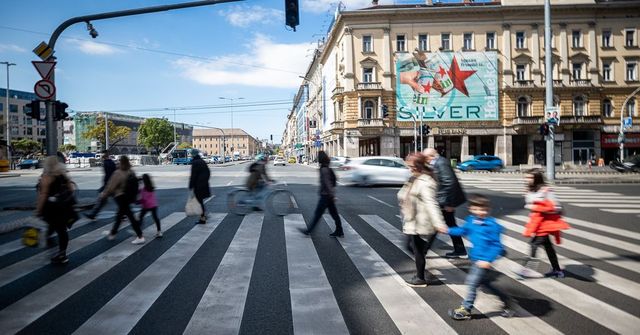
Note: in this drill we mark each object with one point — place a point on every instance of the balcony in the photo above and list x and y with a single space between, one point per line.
528 120
557 83
595 119
523 84
337 90
365 123
581 82
369 86
337 125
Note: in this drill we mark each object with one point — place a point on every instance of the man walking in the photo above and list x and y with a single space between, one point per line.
109 167
450 195
199 184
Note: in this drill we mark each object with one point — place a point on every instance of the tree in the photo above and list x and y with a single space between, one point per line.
116 133
26 146
155 134
67 148
184 145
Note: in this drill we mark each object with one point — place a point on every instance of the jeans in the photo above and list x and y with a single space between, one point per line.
125 210
478 276
537 241
450 220
154 214
420 248
98 206
325 202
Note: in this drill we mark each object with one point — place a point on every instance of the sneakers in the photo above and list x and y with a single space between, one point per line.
507 313
525 272
138 240
416 282
159 234
455 254
90 217
555 274
110 236
460 313
304 231
60 259
337 234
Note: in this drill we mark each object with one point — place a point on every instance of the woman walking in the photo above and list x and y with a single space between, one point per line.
327 199
149 202
55 204
199 184
421 215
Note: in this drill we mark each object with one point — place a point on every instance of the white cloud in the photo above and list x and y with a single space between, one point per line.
11 48
267 64
321 6
93 48
244 16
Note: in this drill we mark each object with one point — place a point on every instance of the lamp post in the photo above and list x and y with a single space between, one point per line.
8 137
548 65
622 110
232 100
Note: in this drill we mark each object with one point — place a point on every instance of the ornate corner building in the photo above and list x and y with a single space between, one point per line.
474 72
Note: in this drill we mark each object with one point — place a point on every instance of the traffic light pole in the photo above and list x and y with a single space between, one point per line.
415 133
621 135
551 164
52 132
421 131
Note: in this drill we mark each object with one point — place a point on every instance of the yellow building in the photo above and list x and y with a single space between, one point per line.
494 44
225 142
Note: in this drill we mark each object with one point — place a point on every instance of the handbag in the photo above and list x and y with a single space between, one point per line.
192 207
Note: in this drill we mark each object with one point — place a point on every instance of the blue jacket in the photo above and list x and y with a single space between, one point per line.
485 238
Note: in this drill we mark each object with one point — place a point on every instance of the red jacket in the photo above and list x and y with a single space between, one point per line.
544 220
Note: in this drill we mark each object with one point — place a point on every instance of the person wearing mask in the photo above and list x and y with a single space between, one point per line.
109 168
421 215
327 199
199 183
450 195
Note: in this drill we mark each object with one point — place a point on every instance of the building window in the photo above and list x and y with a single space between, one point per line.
367 75
367 43
577 71
1 107
523 107
632 71
369 108
631 107
520 40
607 108
579 106
606 39
576 39
29 131
467 40
445 40
607 73
520 72
400 43
491 41
423 42
13 108
629 37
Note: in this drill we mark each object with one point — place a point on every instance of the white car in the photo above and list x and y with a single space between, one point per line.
374 170
279 161
337 162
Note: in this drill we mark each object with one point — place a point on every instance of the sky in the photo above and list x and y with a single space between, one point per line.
184 60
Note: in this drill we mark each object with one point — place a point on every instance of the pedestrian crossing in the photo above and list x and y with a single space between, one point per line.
328 280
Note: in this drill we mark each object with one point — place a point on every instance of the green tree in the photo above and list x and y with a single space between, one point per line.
116 133
155 134
26 146
184 145
67 148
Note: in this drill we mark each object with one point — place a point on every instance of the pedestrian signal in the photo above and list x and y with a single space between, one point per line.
544 129
292 18
385 111
33 109
59 111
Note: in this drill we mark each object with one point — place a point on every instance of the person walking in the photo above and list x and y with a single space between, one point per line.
450 195
55 204
109 168
421 215
545 219
199 183
484 233
123 186
327 199
149 202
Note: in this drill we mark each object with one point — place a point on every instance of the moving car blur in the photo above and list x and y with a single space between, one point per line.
631 164
481 162
375 170
279 160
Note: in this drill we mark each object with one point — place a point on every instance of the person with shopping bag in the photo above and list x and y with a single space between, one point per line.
199 185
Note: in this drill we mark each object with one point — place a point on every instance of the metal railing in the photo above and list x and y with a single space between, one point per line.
523 83
581 119
338 90
337 124
581 82
369 86
528 120
370 123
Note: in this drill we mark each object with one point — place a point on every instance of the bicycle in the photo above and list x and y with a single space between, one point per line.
274 198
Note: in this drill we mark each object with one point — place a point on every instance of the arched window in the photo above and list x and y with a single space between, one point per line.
368 109
631 107
607 108
579 106
523 107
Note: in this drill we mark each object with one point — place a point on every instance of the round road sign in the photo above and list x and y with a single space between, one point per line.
44 89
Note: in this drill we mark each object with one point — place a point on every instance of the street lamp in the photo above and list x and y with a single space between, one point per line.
8 137
232 100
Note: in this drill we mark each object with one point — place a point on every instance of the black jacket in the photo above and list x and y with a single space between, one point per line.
450 192
109 168
199 181
327 182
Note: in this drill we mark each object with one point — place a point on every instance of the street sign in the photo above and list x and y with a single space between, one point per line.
43 51
318 143
628 122
44 68
44 89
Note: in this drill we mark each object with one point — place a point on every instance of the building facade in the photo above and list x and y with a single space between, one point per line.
225 142
494 53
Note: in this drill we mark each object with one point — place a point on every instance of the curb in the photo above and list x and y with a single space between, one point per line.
9 175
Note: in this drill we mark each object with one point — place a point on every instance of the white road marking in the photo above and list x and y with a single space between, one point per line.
380 201
209 199
293 200
229 183
622 211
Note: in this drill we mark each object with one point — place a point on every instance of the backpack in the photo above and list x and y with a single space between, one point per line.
131 189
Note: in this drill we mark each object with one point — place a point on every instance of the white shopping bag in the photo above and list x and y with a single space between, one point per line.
192 208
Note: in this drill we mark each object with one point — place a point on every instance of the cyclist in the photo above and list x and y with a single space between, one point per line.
258 177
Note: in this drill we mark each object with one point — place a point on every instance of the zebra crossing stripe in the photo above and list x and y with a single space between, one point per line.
602 202
222 304
308 283
524 323
604 228
124 310
30 308
18 245
390 289
623 211
634 207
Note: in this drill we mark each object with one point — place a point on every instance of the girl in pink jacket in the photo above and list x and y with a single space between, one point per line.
149 202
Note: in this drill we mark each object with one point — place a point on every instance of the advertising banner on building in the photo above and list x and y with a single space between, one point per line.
447 86
328 85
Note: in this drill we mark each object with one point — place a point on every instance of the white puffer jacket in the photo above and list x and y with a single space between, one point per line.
421 214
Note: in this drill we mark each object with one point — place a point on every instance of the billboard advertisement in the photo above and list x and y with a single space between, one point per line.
328 85
447 86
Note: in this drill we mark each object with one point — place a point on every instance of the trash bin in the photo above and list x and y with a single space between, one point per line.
4 165
454 163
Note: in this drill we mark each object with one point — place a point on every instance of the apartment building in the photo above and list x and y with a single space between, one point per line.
225 142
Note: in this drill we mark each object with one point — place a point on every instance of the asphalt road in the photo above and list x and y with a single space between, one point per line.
257 274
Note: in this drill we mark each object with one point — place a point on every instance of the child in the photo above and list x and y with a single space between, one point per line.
149 202
484 233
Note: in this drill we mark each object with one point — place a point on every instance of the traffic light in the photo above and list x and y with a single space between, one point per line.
385 111
59 111
271 138
34 109
544 129
291 13
426 129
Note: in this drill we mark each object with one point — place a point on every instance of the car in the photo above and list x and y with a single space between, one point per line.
481 162
292 160
375 170
279 160
631 164
30 163
337 162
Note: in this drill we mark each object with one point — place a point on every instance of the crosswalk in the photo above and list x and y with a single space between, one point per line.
203 275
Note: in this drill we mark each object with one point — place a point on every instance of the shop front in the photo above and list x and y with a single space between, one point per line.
611 147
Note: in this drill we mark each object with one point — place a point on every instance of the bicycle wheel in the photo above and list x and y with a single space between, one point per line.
238 202
280 202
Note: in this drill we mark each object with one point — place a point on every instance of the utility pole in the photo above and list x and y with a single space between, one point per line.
8 137
415 133
548 67
106 131
621 134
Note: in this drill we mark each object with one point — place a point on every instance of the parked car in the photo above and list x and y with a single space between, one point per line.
481 162
631 164
337 162
30 163
375 170
279 160
292 160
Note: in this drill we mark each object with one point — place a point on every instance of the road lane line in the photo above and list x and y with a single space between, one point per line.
293 200
222 304
125 309
229 183
209 199
622 211
380 201
390 289
313 304
33 306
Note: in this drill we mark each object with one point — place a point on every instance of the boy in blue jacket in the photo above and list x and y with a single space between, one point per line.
484 233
